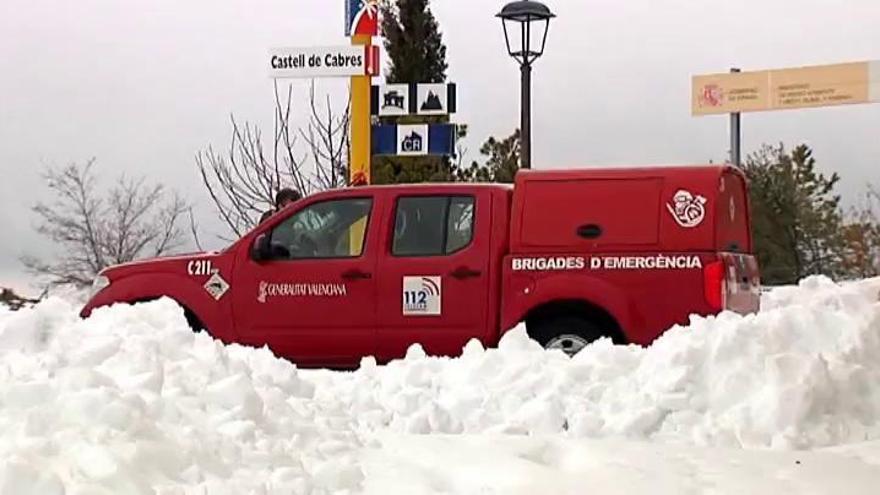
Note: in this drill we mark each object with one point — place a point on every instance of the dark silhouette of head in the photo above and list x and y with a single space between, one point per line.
285 197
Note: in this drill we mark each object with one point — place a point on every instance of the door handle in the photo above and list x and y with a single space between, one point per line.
355 274
589 231
464 272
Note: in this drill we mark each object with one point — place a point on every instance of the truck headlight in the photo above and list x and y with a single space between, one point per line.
99 284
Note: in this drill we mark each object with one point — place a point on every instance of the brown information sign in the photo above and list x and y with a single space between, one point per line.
783 89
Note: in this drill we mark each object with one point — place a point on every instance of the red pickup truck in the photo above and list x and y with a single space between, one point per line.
576 255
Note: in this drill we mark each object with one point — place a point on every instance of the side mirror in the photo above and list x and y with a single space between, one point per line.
262 249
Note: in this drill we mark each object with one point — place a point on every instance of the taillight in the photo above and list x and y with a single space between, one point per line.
715 285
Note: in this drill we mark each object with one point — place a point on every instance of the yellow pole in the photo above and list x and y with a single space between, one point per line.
361 147
359 167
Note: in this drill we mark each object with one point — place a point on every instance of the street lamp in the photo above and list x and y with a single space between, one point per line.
526 24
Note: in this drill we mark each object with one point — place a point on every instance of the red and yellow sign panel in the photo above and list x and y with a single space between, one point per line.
783 89
361 17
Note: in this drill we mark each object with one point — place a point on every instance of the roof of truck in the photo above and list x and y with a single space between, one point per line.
710 171
433 185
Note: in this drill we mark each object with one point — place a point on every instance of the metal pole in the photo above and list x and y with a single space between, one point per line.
360 152
526 117
735 136
359 165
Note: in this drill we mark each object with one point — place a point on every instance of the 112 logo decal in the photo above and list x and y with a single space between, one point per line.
422 295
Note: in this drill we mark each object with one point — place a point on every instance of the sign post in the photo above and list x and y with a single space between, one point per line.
359 160
361 24
326 61
414 99
735 135
782 89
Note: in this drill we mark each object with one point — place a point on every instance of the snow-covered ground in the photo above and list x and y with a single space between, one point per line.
131 401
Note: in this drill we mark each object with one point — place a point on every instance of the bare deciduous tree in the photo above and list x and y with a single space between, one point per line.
94 230
328 139
242 183
873 195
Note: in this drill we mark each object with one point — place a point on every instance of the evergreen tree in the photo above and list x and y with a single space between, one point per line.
796 219
417 55
502 161
413 42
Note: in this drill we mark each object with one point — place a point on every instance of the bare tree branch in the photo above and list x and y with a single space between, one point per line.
243 184
95 230
194 230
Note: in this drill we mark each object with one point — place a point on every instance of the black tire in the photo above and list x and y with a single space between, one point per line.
194 322
567 333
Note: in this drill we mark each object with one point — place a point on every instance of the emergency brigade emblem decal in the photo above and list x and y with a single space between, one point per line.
687 209
422 296
216 286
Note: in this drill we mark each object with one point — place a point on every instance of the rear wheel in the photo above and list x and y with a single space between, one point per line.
568 334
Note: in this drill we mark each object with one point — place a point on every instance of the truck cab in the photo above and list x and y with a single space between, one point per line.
370 271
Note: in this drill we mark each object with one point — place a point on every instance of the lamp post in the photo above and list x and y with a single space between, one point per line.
526 24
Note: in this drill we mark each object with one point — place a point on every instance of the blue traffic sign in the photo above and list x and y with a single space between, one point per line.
414 140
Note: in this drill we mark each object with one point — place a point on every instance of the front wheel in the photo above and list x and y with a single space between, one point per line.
194 323
568 334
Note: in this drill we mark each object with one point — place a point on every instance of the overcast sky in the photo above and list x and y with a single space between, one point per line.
142 85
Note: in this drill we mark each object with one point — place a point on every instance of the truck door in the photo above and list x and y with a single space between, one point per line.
314 300
434 277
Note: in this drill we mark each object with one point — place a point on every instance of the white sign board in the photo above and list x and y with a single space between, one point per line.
412 140
331 61
432 99
393 100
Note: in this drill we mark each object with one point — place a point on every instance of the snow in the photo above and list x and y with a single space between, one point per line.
799 375
128 402
532 465
131 401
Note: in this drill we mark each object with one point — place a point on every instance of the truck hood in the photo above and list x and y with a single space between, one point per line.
153 265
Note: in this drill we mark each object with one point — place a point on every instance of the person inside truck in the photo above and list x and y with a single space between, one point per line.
284 197
322 230
416 232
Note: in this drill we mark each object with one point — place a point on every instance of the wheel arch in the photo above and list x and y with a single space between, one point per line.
579 308
137 289
192 318
590 297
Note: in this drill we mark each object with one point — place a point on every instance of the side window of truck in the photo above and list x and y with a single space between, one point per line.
433 225
330 229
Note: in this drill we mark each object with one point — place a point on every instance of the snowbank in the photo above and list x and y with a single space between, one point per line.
798 375
131 401
518 465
